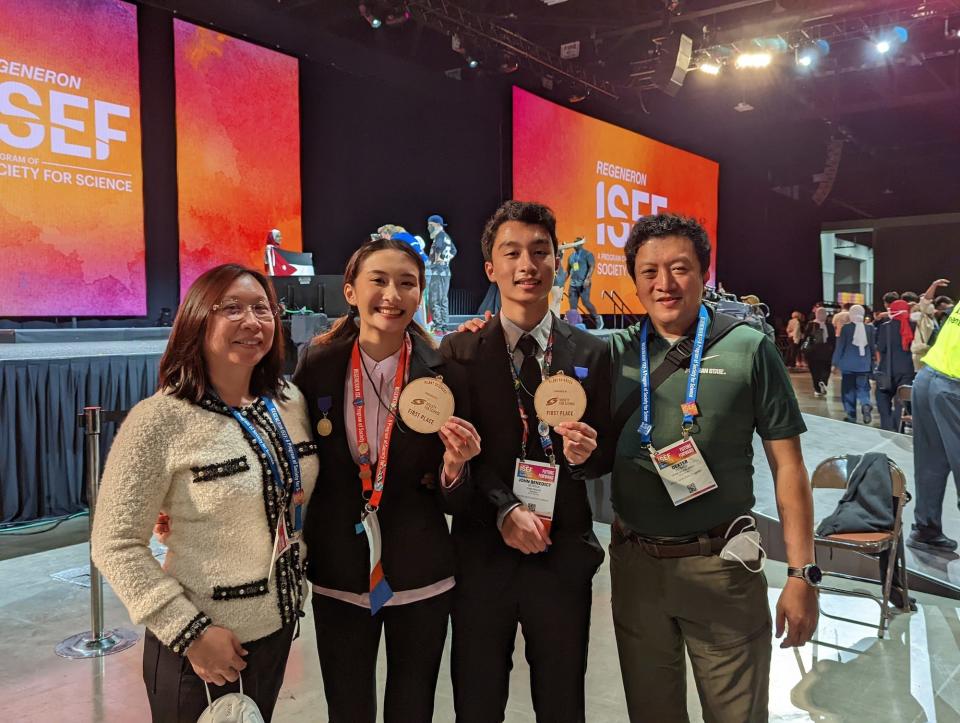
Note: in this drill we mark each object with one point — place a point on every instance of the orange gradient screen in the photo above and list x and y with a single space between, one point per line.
238 150
71 179
599 178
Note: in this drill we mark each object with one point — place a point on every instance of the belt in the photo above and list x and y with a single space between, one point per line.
703 544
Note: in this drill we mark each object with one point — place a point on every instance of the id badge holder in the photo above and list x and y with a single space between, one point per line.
535 483
683 471
282 541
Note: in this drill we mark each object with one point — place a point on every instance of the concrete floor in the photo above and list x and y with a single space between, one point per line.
848 675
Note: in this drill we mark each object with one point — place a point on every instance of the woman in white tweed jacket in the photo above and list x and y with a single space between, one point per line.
224 448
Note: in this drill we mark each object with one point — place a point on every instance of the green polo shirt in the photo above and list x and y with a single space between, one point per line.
744 387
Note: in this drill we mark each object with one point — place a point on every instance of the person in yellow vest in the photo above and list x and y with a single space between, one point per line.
936 435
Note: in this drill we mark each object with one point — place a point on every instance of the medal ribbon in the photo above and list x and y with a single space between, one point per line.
289 453
543 430
373 483
693 379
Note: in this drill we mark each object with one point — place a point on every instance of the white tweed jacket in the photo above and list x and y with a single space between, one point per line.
194 462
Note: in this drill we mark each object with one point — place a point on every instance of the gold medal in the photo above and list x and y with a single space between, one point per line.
324 427
363 448
560 398
425 404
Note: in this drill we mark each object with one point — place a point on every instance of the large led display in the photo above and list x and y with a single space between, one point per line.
599 179
238 150
71 199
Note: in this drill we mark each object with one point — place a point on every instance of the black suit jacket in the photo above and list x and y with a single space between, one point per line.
417 549
485 560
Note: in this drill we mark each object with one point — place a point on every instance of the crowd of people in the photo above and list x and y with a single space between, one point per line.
886 347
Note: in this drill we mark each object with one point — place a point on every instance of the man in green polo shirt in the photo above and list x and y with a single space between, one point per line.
673 586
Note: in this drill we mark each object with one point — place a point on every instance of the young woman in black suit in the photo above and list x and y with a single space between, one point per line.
392 569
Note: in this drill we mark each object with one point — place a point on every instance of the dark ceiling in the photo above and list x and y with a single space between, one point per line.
893 118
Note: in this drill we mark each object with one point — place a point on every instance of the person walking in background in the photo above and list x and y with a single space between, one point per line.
854 356
841 319
894 337
794 337
819 342
927 323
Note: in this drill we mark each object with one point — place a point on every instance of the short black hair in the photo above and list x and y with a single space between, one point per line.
890 297
942 300
661 226
529 212
910 297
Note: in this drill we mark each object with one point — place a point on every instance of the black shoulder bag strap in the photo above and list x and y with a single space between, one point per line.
677 358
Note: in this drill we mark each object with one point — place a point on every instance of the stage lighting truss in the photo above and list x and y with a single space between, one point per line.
512 50
880 32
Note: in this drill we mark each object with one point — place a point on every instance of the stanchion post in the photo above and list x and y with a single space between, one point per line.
91 419
96 642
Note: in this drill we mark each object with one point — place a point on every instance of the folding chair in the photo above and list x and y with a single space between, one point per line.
905 399
831 473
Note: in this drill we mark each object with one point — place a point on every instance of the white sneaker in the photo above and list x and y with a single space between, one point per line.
823 389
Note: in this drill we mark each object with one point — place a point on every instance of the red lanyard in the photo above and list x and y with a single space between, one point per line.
373 488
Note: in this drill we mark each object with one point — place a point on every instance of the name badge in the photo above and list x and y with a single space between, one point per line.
535 483
683 470
282 542
576 266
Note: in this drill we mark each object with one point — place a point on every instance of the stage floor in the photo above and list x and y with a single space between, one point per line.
33 351
848 675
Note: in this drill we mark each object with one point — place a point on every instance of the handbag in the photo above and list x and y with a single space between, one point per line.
230 708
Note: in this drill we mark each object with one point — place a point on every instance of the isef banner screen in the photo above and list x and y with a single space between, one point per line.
600 178
71 200
238 150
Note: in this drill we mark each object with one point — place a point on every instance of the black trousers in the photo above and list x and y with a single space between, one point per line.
887 404
819 372
348 639
553 614
176 693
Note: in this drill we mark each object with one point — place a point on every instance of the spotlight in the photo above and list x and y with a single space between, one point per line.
472 62
897 35
809 55
709 68
384 12
754 60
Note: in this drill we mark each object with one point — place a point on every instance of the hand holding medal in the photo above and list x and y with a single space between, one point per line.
462 443
561 402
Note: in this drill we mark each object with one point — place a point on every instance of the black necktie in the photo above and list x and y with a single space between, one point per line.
530 376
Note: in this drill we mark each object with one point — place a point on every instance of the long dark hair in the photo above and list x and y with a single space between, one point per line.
347 328
183 371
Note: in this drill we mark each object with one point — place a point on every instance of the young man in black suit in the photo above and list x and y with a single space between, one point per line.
513 567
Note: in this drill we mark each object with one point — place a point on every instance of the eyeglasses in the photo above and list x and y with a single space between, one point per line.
235 311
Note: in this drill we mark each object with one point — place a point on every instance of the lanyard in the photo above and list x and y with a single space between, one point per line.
543 430
689 406
373 488
289 452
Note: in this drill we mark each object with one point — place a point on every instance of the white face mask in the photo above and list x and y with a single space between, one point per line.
744 547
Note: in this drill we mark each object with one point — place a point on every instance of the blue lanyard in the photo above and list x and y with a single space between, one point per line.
289 451
693 379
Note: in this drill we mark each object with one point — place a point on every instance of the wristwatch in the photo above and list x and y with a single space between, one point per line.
810 574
